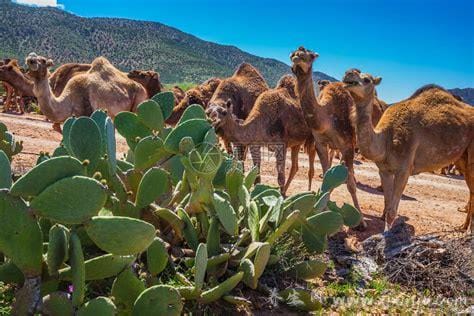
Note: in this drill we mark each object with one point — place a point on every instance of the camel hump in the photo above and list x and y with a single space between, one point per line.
100 63
247 70
287 82
432 86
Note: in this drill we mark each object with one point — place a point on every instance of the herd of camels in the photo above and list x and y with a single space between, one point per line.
406 138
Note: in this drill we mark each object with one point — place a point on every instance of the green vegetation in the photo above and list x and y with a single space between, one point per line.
176 218
177 56
183 85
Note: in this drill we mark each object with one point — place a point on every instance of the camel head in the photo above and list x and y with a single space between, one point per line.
220 115
145 77
8 67
360 85
302 60
322 83
38 66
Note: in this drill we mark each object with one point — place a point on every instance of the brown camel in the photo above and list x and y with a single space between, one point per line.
327 115
12 74
103 86
243 89
178 93
63 73
322 83
200 94
413 136
149 79
277 120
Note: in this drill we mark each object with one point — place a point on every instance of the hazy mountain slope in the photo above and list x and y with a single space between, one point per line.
467 94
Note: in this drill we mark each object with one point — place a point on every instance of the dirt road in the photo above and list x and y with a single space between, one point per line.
430 202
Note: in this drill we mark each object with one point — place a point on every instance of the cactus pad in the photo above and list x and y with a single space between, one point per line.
158 300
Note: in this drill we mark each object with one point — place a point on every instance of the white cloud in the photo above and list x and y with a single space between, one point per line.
41 3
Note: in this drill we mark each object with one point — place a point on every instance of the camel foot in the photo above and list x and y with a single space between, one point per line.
463 228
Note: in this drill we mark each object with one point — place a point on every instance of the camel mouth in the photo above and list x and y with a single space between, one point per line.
350 83
32 64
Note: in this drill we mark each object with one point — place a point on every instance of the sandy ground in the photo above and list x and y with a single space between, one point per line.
430 202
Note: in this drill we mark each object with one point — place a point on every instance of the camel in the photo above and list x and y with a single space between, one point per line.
102 86
243 89
200 94
322 83
413 136
149 79
178 93
276 119
60 77
327 116
12 74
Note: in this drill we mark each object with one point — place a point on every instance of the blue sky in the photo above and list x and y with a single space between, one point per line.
407 42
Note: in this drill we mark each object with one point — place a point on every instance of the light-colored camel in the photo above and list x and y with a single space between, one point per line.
276 120
102 87
200 94
327 115
243 89
413 136
149 79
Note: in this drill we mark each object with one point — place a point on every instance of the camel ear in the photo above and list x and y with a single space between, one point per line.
377 80
314 55
49 63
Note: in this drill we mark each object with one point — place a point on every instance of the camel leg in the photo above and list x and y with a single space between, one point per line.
311 157
295 150
323 154
8 101
256 159
468 170
348 157
387 182
399 183
280 155
21 105
239 152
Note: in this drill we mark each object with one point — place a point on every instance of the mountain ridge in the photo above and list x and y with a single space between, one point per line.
176 55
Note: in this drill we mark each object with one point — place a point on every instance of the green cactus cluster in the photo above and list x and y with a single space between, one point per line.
174 201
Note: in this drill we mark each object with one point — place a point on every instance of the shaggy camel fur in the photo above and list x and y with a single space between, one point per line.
277 120
200 94
413 136
327 115
149 79
243 89
178 93
103 86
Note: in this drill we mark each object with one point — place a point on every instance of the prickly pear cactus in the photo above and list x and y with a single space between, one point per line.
171 220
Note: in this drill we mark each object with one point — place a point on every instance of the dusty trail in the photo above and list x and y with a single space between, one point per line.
429 204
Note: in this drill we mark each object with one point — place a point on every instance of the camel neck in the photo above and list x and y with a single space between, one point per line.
370 142
242 133
19 81
309 103
47 102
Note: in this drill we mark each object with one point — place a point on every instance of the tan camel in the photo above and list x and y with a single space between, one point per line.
243 89
103 86
200 94
149 79
327 116
413 136
277 120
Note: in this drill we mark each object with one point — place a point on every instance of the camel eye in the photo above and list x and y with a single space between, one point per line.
366 80
224 112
